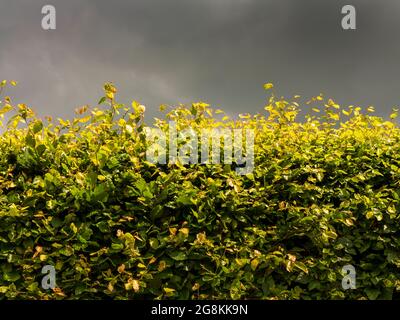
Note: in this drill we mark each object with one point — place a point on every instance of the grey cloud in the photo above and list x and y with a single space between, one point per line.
220 51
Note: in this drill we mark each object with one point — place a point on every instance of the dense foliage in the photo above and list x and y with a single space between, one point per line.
80 195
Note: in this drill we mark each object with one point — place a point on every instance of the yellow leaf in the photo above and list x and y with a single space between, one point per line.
291 257
152 260
168 290
241 262
268 86
142 108
59 292
121 268
333 104
38 251
195 287
334 116
84 119
135 285
184 231
6 108
135 106
110 287
349 222
254 263
73 228
162 265
81 110
129 128
98 113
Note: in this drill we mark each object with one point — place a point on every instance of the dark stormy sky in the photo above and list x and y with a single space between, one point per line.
219 51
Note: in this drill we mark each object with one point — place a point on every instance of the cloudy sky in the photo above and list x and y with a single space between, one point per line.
219 51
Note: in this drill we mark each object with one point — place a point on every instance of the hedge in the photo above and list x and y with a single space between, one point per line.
80 195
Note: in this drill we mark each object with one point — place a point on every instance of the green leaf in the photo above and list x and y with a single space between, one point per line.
178 255
154 243
117 246
11 276
372 293
38 126
102 100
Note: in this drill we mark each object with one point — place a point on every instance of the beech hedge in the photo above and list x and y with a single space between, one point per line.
79 195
